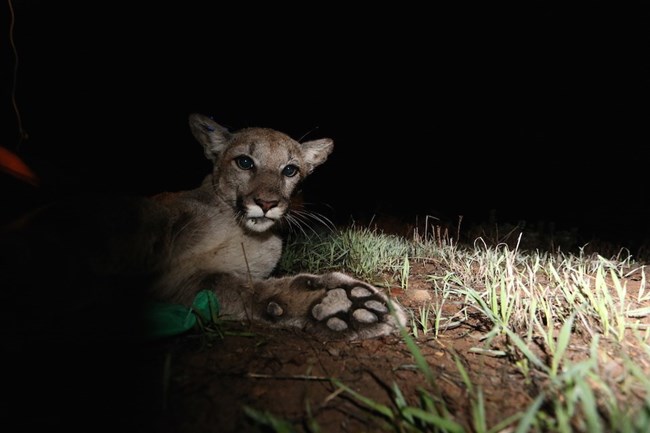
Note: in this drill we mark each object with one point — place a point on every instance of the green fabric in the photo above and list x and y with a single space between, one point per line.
165 320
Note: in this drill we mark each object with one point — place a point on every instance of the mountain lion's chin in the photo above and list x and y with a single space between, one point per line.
260 224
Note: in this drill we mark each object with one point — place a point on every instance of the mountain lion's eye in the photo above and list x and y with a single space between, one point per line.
290 170
244 162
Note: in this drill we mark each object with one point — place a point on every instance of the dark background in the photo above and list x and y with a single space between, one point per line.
539 113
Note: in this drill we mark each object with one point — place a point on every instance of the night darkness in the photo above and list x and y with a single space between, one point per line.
538 113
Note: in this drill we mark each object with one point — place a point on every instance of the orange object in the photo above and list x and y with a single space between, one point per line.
12 164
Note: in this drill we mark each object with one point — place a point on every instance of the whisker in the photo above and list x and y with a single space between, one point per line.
300 220
325 221
306 217
294 222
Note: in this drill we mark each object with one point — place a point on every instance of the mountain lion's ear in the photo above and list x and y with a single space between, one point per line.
210 134
316 152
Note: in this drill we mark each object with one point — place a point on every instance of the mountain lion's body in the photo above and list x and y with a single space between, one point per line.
221 236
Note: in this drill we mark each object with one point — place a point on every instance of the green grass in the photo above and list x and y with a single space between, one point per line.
562 320
359 251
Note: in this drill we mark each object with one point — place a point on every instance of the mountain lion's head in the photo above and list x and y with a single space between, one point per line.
257 170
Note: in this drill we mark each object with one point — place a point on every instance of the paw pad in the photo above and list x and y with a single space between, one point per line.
336 301
364 316
353 307
360 292
274 309
377 306
336 324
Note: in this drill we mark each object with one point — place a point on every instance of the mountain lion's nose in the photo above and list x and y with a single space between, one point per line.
266 205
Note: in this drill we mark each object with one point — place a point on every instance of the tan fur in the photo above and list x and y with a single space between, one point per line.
220 236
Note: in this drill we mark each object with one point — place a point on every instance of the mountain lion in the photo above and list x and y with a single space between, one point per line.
222 236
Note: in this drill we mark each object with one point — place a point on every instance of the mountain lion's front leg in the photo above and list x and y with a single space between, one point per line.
332 305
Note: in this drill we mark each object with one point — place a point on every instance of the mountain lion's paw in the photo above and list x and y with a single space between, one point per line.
353 309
